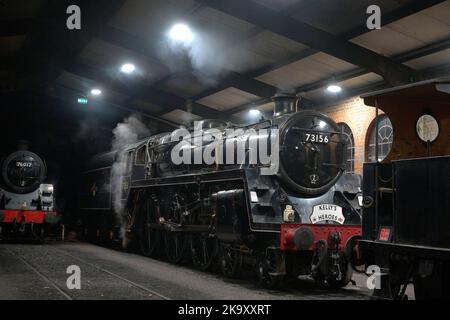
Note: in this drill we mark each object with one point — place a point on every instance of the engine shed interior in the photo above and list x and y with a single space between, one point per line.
97 99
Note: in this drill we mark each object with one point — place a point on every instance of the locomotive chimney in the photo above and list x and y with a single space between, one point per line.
284 103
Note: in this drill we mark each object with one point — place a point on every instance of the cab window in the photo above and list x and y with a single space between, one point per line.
128 162
141 155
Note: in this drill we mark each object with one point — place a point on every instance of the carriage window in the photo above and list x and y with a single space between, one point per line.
350 141
385 134
427 128
140 156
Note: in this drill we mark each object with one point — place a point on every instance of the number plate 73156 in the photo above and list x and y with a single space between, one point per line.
316 138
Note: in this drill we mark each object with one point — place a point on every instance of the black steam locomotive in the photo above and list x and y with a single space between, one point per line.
26 202
296 214
406 196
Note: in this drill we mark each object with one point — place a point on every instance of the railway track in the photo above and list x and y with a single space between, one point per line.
132 283
41 275
64 291
31 271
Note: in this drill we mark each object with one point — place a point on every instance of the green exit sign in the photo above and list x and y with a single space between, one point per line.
83 101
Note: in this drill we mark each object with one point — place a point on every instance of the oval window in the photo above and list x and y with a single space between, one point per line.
427 128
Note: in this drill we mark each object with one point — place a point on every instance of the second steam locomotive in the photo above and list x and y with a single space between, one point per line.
26 202
296 214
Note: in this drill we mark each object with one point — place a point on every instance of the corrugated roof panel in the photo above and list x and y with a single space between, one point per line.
241 114
180 116
214 53
363 80
316 95
431 60
322 93
219 23
422 27
228 98
311 69
273 46
224 43
336 17
439 12
332 63
387 41
184 85
409 33
268 107
242 59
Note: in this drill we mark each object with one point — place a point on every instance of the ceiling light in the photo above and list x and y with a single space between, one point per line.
254 112
334 88
181 32
96 92
128 68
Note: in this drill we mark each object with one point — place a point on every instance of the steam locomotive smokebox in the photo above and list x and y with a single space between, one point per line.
23 172
284 103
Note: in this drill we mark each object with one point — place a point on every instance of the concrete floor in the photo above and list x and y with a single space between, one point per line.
31 271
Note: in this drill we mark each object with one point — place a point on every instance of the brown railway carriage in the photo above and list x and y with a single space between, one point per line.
404 106
406 212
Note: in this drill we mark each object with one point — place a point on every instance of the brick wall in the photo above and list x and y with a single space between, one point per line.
358 117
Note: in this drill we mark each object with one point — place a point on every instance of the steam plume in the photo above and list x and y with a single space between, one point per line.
209 57
126 133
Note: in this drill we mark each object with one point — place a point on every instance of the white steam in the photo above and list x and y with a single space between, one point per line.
126 133
210 57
